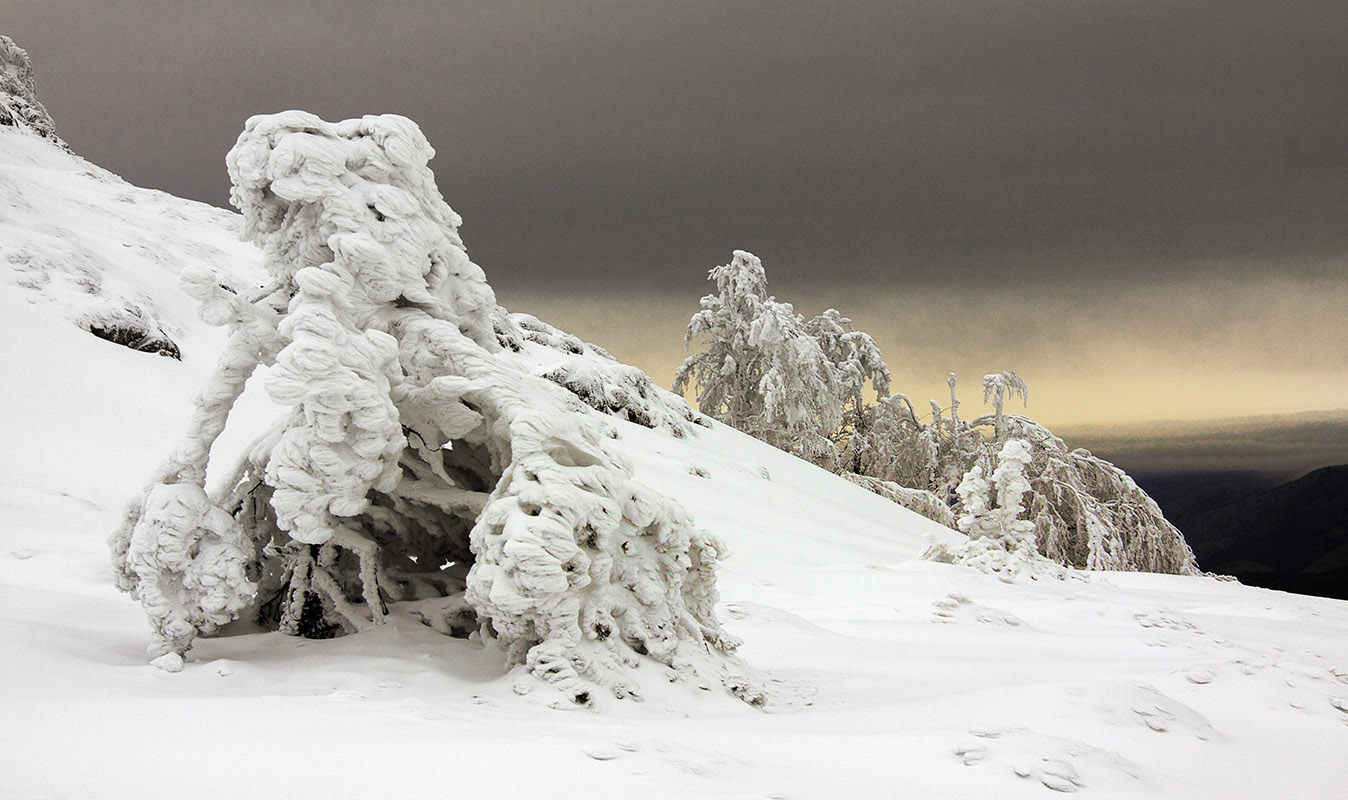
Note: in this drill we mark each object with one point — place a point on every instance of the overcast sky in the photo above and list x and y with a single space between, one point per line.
1141 205
910 141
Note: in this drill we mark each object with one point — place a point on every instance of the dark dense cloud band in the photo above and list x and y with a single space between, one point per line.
1070 140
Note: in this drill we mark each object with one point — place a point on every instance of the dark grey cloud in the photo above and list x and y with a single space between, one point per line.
842 141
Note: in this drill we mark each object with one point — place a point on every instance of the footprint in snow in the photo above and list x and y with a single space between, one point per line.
1055 773
1155 717
1201 675
1165 620
1019 751
346 694
970 755
958 608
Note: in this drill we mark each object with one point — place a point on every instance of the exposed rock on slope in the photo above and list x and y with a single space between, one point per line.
19 106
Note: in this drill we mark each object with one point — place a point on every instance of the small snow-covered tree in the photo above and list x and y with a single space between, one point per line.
728 373
795 384
895 445
419 462
1000 540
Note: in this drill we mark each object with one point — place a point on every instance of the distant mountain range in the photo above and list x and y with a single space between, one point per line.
1280 535
1285 444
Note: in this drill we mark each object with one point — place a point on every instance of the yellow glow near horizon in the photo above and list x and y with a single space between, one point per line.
1191 350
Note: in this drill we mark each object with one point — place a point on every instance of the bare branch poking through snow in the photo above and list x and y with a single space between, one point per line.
422 459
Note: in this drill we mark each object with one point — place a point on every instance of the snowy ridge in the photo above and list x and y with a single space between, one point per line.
899 676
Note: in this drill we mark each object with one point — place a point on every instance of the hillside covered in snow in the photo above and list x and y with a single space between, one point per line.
884 675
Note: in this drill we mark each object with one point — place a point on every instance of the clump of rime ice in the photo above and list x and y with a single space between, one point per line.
420 461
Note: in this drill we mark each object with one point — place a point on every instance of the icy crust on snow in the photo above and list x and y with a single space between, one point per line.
419 442
19 106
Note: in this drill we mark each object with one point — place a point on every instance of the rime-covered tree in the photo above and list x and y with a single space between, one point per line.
856 362
895 445
799 385
1000 540
795 384
1089 514
728 373
419 461
1086 512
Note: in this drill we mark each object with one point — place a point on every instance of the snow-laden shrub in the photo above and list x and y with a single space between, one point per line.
794 384
422 460
19 106
894 445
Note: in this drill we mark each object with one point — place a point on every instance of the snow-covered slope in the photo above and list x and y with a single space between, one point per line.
893 676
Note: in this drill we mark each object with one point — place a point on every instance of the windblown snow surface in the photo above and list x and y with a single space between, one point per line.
890 676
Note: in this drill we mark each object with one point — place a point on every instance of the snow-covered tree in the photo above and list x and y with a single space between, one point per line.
795 384
1086 512
894 445
418 462
1000 540
856 362
727 374
799 386
1089 514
